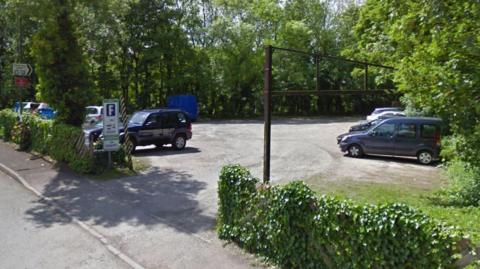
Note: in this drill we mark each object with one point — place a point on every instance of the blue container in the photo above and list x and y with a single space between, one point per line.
187 103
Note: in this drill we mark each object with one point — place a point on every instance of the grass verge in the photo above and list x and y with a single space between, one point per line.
467 219
119 172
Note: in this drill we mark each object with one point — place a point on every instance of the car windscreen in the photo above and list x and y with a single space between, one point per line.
138 118
91 110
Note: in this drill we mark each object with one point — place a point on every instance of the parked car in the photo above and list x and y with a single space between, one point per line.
93 114
42 109
417 137
387 113
379 110
365 125
46 112
159 127
92 132
27 107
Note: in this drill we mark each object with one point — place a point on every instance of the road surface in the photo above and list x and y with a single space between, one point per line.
25 244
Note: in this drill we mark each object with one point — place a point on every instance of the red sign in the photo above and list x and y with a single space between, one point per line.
22 82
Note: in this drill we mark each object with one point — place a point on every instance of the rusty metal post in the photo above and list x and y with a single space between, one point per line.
365 80
267 112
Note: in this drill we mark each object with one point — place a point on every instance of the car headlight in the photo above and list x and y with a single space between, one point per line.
344 138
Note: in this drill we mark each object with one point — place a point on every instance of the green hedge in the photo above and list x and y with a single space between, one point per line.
59 141
292 228
7 122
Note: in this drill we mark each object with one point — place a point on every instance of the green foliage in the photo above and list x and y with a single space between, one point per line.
21 134
434 47
8 119
83 51
464 185
60 64
63 147
293 228
234 181
465 219
60 141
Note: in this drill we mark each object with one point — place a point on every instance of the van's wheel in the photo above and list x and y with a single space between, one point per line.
355 151
425 157
179 142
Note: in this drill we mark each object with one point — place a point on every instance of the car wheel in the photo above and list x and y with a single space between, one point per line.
179 142
355 151
424 157
134 144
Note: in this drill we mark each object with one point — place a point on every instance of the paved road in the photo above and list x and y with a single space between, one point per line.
25 244
154 219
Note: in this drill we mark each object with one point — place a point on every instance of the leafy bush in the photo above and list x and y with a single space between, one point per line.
62 142
8 119
64 146
293 228
40 131
462 172
464 185
235 181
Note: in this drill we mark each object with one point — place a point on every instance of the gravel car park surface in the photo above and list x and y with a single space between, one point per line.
301 149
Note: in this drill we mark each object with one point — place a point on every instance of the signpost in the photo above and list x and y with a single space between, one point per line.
110 127
22 82
21 74
22 70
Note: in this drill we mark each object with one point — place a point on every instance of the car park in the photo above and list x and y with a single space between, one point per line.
408 136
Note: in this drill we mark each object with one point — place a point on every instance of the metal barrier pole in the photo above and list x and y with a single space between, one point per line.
267 111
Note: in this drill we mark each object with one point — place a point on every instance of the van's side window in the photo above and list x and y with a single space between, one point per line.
428 130
407 130
386 129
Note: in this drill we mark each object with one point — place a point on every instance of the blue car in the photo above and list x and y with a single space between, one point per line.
413 137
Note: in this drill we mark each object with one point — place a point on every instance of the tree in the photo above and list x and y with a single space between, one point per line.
60 63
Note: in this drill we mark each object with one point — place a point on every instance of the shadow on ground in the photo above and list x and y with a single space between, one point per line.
395 159
164 151
160 197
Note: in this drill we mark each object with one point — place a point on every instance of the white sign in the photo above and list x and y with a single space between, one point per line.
110 125
22 70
